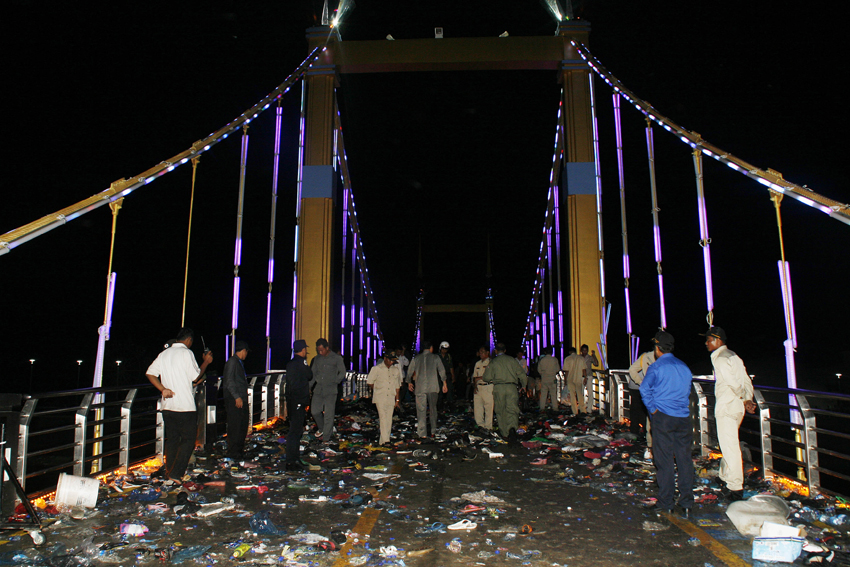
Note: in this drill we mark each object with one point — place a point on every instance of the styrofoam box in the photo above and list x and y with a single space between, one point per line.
777 542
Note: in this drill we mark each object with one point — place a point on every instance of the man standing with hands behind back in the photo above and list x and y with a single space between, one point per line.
666 392
733 394
235 386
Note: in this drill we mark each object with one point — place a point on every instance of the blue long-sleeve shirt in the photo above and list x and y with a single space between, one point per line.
667 387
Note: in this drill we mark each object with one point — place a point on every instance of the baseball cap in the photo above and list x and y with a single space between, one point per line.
715 332
299 345
391 355
663 340
444 344
241 345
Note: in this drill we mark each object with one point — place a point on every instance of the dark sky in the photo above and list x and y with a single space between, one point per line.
101 94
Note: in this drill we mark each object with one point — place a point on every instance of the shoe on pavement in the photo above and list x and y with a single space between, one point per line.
686 513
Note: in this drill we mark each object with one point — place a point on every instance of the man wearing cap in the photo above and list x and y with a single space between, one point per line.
733 393
482 398
637 411
449 366
423 378
384 381
328 374
666 392
298 377
234 382
505 373
175 373
575 372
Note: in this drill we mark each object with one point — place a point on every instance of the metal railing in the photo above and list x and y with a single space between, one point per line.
799 435
94 431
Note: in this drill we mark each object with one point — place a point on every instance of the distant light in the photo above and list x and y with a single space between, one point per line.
390 37
79 362
32 361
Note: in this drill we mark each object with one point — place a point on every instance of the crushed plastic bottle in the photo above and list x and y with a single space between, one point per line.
261 524
455 545
187 553
241 550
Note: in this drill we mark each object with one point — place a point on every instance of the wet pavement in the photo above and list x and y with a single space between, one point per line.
569 491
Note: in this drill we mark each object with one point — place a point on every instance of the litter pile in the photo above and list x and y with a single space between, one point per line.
571 490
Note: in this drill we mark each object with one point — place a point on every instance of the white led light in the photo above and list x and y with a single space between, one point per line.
807 201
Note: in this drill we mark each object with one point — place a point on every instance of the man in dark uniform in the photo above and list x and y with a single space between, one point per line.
298 377
235 386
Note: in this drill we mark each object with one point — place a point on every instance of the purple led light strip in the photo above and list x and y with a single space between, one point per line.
299 185
705 241
237 261
603 345
618 130
656 227
272 230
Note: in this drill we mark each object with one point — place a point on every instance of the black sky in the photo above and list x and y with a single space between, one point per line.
100 94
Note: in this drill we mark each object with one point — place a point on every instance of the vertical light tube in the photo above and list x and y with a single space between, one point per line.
557 220
272 231
603 345
618 130
299 186
353 292
704 241
549 254
237 255
656 227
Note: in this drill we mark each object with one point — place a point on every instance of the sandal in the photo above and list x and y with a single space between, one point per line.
464 524
436 527
471 508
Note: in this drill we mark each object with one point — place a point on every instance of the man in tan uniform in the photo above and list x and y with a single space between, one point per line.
575 370
482 399
733 394
548 367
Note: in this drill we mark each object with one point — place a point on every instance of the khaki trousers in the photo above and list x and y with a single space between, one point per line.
548 389
732 464
482 402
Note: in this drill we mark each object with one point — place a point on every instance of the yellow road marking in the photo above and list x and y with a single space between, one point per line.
716 548
366 522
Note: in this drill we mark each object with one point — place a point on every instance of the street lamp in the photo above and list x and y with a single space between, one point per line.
79 367
32 366
838 376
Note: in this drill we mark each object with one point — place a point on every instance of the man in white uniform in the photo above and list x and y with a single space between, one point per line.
384 380
175 373
482 398
733 393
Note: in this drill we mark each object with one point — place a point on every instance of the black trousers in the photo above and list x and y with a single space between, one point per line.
672 443
637 412
181 430
297 410
237 426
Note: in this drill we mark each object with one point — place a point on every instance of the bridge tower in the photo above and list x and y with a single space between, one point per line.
314 297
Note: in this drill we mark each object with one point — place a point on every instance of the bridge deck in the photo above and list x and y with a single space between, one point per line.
567 511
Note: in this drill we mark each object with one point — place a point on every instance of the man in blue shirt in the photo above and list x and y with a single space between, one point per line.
666 391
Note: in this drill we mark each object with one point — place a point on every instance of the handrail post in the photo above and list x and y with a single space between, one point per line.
160 432
702 406
200 393
251 385
124 443
23 440
265 394
810 439
278 394
766 441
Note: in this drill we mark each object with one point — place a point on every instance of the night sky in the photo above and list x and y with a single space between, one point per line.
448 159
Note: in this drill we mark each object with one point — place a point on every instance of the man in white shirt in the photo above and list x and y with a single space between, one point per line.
175 373
733 393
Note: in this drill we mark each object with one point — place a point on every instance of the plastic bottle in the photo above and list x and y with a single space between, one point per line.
241 550
455 545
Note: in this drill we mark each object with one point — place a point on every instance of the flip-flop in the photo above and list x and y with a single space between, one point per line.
464 524
539 461
433 528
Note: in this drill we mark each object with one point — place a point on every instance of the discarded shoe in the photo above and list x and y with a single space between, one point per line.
434 528
464 524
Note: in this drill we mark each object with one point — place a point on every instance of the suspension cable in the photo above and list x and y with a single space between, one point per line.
656 226
195 161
